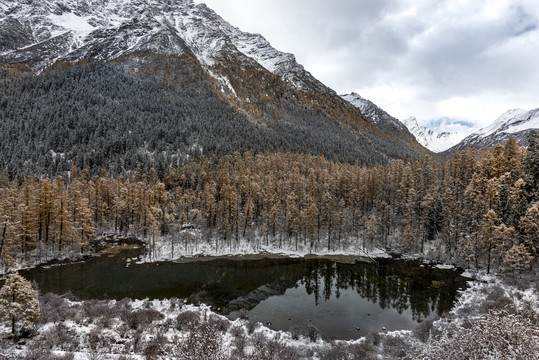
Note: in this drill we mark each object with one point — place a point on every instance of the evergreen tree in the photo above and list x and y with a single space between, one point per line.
486 239
19 303
530 169
529 225
516 260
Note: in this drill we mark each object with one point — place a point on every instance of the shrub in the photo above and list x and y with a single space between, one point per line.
374 338
236 330
395 347
142 317
61 337
312 332
422 331
296 332
202 342
252 325
187 319
94 309
496 335
243 314
54 309
219 323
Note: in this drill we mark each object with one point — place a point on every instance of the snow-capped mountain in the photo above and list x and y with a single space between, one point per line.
41 32
432 140
212 87
374 113
515 123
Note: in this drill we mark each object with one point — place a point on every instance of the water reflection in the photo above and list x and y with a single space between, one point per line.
339 297
393 284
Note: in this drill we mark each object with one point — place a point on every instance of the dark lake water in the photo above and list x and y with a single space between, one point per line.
338 298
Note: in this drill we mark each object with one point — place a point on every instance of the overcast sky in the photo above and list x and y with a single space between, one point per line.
462 60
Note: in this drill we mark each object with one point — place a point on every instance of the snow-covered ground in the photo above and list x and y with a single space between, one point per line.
164 329
138 329
191 243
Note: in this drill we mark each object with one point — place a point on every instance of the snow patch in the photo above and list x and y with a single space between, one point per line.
444 266
223 81
77 24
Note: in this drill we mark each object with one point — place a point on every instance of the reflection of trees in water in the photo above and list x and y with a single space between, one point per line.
395 285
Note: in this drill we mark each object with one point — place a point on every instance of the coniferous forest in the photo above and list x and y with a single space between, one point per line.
477 209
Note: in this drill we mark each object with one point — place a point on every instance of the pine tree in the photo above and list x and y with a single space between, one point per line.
490 221
529 225
513 158
28 215
64 229
370 233
86 226
516 260
408 239
8 228
19 303
530 169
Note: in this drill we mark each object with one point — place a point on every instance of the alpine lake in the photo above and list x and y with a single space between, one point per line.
345 297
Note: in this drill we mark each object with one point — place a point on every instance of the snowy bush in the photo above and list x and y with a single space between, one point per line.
202 342
61 337
497 335
187 319
142 317
54 308
219 323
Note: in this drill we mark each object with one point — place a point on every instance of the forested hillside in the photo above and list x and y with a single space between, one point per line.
476 209
160 113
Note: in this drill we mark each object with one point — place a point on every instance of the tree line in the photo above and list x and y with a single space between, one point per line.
478 209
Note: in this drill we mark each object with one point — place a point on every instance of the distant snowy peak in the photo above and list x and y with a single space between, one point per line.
373 112
42 32
515 123
432 140
512 121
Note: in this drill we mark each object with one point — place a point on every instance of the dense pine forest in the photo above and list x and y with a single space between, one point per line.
476 209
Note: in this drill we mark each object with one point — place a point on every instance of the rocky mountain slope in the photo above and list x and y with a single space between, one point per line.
432 140
376 114
39 33
515 123
217 88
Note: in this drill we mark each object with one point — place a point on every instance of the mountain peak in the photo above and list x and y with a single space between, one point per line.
432 140
186 65
42 32
517 123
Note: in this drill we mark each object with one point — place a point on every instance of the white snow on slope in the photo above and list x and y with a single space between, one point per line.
512 121
509 124
71 22
372 111
433 140
133 25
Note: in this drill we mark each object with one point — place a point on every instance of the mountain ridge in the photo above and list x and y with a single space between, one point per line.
516 123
